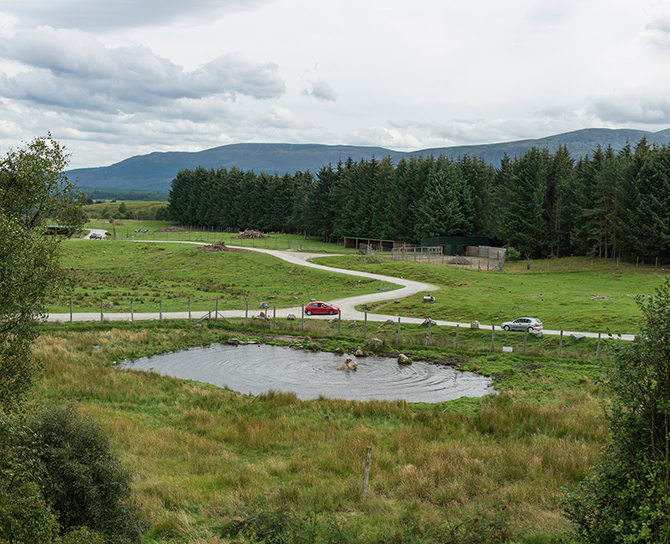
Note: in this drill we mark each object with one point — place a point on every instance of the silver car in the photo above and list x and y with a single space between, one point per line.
523 324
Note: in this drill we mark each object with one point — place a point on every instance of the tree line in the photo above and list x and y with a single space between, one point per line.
610 204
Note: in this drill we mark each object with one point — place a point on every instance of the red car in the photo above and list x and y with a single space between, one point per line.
321 308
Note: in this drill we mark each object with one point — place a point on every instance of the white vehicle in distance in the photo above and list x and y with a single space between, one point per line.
529 324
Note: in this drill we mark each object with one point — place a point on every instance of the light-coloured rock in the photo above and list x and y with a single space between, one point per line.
474 325
404 360
375 342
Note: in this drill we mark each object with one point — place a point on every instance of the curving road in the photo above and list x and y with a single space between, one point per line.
347 305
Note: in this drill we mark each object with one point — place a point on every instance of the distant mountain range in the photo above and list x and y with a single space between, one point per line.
155 172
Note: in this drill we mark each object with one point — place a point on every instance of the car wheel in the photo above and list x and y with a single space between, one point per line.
331 312
530 329
309 312
506 327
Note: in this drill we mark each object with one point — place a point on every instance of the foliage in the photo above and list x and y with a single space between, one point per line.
626 497
33 191
60 482
513 254
543 203
81 479
274 520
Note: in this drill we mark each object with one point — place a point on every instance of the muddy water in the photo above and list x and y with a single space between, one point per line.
256 369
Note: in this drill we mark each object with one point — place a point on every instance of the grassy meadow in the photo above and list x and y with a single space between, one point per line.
202 455
206 458
148 273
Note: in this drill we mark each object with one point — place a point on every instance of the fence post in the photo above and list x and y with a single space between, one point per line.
560 343
397 338
274 317
525 339
246 312
101 316
339 320
456 342
598 349
365 330
366 472
302 317
70 311
132 317
430 326
189 310
493 334
160 310
216 310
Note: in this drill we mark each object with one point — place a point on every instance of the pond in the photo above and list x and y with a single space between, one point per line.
256 369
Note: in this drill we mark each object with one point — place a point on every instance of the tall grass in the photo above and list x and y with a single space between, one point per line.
200 452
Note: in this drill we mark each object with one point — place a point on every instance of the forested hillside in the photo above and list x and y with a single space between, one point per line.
542 203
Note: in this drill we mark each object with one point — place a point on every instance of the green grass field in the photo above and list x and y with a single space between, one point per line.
147 273
203 456
575 294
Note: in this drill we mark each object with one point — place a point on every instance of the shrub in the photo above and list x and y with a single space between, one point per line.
81 479
626 497
513 254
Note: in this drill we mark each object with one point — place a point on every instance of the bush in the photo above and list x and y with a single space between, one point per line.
81 479
626 497
513 254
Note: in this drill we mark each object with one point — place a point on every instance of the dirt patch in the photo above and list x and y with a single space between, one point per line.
157 250
216 246
250 233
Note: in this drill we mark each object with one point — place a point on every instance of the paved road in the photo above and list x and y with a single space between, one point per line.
347 305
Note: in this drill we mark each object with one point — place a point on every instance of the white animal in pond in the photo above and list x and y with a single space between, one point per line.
348 364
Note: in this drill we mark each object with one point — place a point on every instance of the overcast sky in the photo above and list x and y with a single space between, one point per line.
113 79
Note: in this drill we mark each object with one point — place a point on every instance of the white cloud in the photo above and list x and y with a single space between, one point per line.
626 109
83 14
72 70
320 90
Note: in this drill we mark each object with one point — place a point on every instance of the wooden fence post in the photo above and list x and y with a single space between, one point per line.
101 316
366 472
132 317
70 311
493 334
525 340
560 343
189 310
365 330
456 341
160 310
598 349
246 312
397 338
339 320
302 318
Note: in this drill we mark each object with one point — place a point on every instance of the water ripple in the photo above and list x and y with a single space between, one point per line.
257 369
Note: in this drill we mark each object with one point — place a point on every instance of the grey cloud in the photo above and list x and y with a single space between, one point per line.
627 109
88 15
68 75
321 90
658 32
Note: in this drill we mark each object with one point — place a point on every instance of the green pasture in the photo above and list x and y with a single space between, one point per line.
148 273
202 455
575 294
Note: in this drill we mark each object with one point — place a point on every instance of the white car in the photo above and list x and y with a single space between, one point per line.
523 324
